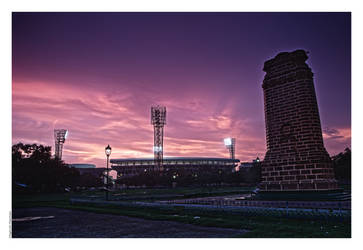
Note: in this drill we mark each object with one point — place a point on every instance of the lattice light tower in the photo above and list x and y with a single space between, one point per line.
60 136
230 143
158 119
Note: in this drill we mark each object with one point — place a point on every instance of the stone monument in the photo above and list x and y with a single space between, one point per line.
296 159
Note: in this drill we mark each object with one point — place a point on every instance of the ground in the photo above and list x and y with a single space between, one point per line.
76 220
80 224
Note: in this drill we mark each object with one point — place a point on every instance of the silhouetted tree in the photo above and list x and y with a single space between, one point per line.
342 165
33 166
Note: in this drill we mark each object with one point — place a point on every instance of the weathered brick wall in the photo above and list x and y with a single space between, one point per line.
296 158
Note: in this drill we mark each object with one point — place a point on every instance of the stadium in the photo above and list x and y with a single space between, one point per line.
88 169
194 165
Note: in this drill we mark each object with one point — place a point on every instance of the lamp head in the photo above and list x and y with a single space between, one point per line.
108 150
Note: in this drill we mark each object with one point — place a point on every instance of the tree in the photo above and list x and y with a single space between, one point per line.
342 165
33 167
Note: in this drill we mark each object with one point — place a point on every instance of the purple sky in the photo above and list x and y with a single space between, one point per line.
97 74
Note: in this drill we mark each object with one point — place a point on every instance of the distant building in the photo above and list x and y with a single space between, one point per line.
246 164
251 164
88 169
82 165
136 166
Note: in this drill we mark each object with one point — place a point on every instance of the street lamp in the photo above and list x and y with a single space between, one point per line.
108 153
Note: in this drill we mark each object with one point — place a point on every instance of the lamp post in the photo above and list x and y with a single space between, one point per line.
108 153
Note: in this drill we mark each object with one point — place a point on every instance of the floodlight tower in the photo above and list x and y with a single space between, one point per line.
230 143
60 136
158 119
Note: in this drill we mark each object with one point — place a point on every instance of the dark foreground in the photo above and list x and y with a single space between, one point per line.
80 224
168 220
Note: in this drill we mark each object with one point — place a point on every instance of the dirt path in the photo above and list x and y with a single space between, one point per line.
80 224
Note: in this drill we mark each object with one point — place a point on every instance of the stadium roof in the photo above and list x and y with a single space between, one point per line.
82 165
176 159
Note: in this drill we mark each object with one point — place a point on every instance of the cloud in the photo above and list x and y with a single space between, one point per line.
336 139
97 116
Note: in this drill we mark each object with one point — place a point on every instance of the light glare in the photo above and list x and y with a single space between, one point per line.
227 141
157 148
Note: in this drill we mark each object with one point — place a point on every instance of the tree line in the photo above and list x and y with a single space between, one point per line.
35 170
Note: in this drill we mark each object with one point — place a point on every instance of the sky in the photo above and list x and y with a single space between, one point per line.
98 74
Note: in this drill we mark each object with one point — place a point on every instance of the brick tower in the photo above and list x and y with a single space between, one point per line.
296 159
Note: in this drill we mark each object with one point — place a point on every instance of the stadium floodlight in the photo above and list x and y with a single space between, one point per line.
230 143
227 141
158 120
157 149
60 136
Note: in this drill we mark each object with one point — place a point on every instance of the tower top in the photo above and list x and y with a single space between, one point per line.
297 57
158 115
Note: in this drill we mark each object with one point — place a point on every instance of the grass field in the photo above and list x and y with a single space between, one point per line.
261 226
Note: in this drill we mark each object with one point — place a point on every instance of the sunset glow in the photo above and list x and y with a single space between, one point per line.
97 75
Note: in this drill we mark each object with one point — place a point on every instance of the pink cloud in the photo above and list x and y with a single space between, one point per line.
99 115
336 139
121 118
